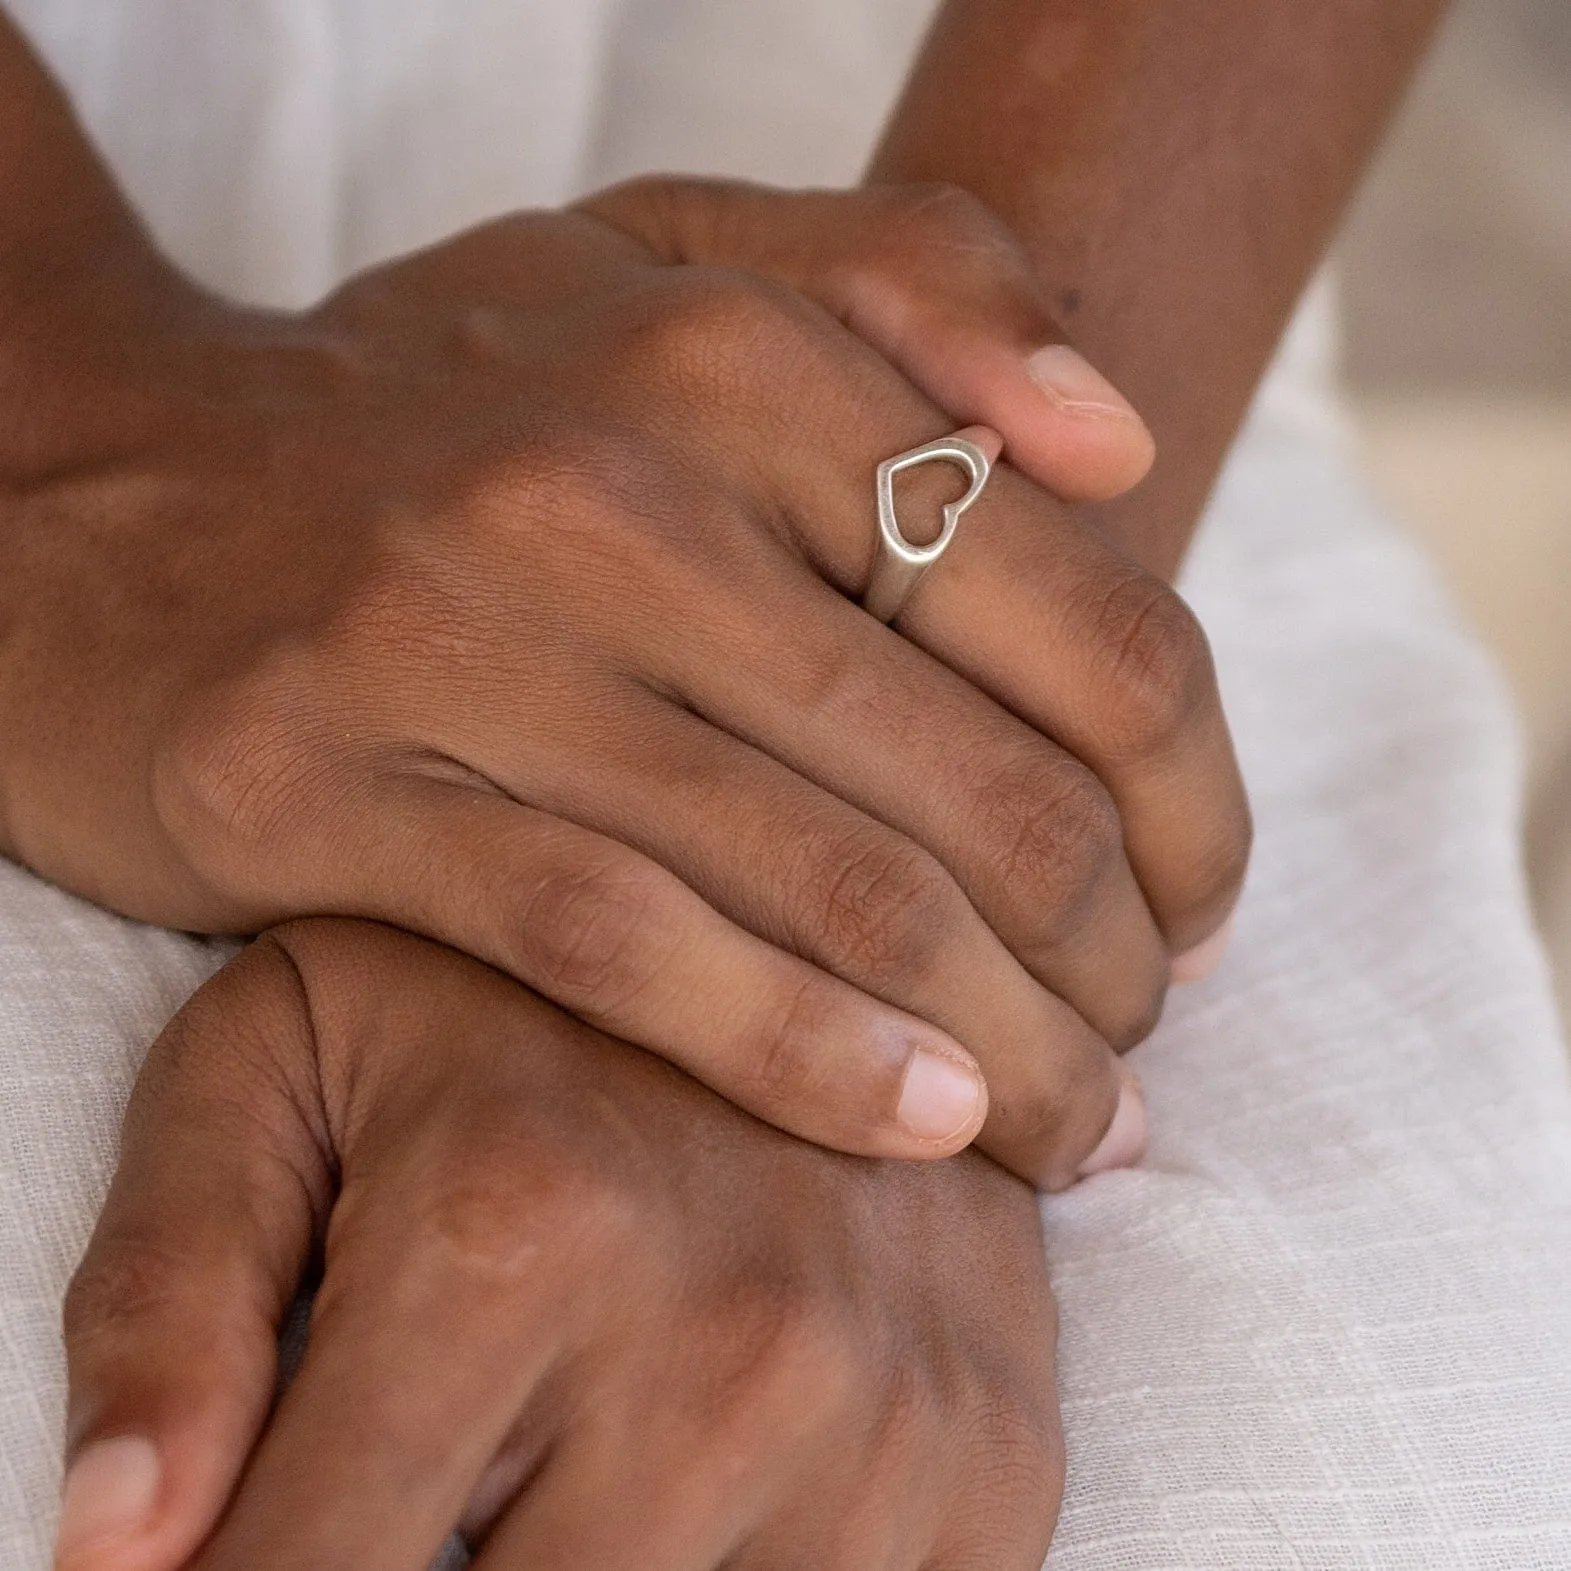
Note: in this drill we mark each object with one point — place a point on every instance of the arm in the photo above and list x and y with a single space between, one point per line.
1176 169
77 272
58 204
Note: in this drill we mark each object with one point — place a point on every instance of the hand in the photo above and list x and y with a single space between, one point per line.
504 597
569 1299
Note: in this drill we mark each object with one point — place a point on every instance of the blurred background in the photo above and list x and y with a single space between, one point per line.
1456 282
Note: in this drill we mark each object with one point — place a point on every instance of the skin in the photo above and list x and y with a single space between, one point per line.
765 1354
492 599
1175 170
1124 146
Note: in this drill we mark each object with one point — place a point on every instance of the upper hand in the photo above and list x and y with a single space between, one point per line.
570 1300
506 596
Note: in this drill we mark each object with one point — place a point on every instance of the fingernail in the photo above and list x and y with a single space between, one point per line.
1125 1141
1196 964
939 1098
985 437
109 1490
1075 385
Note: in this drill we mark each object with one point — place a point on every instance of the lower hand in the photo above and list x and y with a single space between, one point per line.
570 1301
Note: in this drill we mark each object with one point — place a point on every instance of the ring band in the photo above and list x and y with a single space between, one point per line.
898 565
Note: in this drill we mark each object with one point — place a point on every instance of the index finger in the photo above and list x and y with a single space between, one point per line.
936 283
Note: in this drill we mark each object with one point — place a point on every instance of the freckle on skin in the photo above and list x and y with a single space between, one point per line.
1069 301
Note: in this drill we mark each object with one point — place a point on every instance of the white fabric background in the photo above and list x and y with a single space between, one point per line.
1328 1325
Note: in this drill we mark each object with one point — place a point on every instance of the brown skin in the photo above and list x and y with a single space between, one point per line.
493 599
571 1299
1125 143
1176 170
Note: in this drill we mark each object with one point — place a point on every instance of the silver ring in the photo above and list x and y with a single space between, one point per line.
898 565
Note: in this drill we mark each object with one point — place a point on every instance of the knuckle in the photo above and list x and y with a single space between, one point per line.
1054 837
222 773
1213 885
786 1069
711 327
1158 666
586 931
930 238
1048 1108
948 216
119 1284
884 908
649 208
506 1214
806 1359
1134 1017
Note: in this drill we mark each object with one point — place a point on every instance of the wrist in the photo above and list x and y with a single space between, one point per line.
77 271
79 358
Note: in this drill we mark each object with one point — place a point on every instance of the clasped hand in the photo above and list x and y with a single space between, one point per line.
508 596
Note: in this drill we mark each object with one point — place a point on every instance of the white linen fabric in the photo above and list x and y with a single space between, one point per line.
1328 1324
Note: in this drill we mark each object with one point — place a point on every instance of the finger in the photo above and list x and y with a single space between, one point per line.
814 876
1027 832
627 946
1121 674
171 1320
678 1506
935 282
1050 622
1010 1527
447 1264
699 1451
1027 604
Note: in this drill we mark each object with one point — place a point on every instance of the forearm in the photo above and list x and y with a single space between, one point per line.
1177 168
79 279
59 209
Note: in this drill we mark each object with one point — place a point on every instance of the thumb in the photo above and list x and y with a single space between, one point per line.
171 1320
934 281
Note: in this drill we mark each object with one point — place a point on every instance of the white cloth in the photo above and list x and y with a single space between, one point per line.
1328 1325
